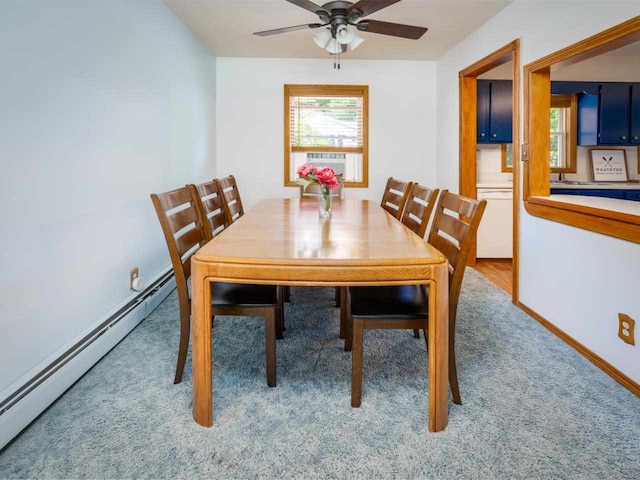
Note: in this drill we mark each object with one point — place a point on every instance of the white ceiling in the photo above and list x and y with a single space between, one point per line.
226 27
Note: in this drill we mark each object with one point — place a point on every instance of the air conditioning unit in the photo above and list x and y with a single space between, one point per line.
337 161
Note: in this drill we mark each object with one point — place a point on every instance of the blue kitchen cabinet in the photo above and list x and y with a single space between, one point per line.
612 117
589 192
588 119
484 96
494 111
615 113
632 195
593 192
568 88
634 133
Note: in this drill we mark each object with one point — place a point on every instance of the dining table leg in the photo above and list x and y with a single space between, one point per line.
439 348
201 344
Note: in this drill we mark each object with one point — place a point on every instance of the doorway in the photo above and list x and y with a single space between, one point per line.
468 183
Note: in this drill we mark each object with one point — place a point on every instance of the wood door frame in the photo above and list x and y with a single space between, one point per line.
468 136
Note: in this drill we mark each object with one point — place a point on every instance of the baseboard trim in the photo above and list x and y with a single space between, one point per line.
602 364
20 407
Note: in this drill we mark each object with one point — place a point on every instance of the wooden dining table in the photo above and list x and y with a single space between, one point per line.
286 242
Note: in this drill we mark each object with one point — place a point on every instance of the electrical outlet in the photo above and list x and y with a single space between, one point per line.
626 329
133 274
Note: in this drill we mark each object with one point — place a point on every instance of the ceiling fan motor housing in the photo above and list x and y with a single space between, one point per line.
337 14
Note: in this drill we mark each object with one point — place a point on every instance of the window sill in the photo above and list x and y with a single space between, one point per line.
608 216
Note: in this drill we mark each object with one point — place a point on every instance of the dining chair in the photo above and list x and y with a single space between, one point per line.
395 196
417 212
418 208
231 198
211 207
405 306
313 189
214 220
232 204
184 233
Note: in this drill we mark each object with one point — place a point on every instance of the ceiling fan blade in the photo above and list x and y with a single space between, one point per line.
394 29
288 29
367 7
307 5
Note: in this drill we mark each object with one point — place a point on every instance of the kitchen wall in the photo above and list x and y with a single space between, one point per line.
578 280
489 165
402 120
583 165
102 104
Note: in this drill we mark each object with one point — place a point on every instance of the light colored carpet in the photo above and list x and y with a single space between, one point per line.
533 407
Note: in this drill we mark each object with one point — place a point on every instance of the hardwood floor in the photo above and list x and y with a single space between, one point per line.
498 271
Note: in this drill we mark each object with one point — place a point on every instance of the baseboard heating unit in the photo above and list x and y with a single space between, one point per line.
22 404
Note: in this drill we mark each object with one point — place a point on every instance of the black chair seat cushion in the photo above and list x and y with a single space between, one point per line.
242 295
389 302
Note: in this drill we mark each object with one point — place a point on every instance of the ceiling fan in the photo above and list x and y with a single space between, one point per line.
338 15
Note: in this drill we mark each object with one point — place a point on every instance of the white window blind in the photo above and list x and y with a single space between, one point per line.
326 121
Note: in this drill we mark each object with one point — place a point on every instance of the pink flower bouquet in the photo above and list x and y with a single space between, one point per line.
325 176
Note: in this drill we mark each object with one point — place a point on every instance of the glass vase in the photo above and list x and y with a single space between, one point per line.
324 200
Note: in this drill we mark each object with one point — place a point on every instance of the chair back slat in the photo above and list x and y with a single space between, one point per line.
452 226
211 208
181 219
455 237
189 239
459 204
172 199
417 211
395 196
231 196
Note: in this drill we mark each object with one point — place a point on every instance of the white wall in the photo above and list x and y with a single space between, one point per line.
577 279
250 106
102 103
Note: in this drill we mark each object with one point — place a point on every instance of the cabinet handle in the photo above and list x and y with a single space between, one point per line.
482 134
635 137
494 135
623 137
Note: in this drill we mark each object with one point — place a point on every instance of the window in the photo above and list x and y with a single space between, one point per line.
327 125
562 144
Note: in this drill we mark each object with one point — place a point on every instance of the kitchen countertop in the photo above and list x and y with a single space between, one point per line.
598 186
613 204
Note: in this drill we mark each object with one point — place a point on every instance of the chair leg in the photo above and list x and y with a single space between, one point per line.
356 363
343 311
287 293
348 323
337 296
270 340
453 374
426 338
280 312
185 326
416 333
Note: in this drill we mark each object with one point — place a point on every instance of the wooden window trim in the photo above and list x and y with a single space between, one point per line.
537 95
332 91
504 167
571 148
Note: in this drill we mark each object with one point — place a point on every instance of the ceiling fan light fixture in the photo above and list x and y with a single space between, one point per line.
344 35
322 38
334 46
357 40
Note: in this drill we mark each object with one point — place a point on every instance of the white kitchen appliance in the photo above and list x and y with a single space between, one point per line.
495 234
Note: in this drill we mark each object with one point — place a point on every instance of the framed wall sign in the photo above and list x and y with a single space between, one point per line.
609 165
